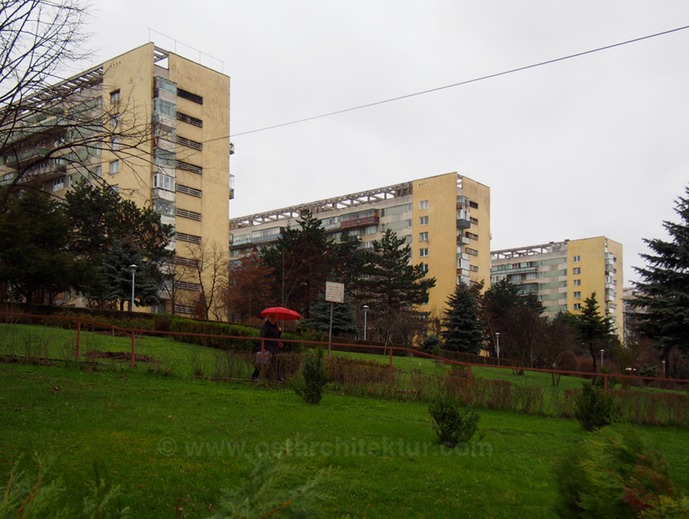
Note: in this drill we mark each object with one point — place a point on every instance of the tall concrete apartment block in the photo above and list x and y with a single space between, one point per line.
563 274
445 219
182 170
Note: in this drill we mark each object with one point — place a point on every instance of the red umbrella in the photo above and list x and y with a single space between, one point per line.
282 313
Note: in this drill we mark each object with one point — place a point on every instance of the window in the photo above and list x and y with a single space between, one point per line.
423 220
58 183
189 119
188 95
189 143
114 167
576 271
577 282
115 121
424 267
190 238
115 97
181 188
115 144
423 204
164 182
164 107
577 306
576 259
97 171
186 166
192 215
577 295
471 252
423 252
423 236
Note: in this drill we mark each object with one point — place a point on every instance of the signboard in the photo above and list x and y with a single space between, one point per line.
334 292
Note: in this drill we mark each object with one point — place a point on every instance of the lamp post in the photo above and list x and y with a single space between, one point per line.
497 346
132 269
602 351
365 309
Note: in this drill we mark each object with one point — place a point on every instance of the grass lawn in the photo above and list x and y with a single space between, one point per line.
171 441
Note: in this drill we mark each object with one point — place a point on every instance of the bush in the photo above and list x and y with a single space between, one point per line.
594 408
616 473
452 422
431 344
315 378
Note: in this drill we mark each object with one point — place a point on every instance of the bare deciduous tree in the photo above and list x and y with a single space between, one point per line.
50 126
208 267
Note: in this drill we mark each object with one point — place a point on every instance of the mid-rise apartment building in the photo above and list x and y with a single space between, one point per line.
445 219
181 166
563 274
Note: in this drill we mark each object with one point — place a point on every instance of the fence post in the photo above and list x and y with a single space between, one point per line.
132 362
78 352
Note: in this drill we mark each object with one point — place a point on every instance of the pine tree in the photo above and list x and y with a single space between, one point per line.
595 331
663 293
392 286
461 326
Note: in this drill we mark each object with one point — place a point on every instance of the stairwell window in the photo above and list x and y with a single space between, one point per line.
423 252
423 236
114 167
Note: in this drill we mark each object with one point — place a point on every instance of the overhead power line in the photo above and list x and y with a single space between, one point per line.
466 82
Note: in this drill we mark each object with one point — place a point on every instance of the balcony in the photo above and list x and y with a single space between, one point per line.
360 222
46 170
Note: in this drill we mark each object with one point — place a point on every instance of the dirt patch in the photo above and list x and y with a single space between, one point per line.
119 355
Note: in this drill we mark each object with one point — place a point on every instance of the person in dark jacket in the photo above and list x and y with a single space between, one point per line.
270 342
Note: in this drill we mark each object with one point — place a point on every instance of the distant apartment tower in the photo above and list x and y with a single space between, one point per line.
563 274
445 219
182 168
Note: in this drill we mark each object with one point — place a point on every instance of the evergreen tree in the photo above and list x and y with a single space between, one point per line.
107 235
517 317
594 330
344 319
461 328
33 245
392 286
302 261
663 292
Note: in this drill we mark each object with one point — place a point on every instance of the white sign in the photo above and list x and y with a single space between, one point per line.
334 292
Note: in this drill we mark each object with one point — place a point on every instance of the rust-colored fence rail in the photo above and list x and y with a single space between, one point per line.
79 324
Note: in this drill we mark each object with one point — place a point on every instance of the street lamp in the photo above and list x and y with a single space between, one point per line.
132 269
365 309
497 346
601 358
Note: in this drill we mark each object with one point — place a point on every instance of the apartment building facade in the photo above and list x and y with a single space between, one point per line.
181 166
563 274
445 218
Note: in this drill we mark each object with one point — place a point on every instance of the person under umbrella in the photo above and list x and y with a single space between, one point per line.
270 346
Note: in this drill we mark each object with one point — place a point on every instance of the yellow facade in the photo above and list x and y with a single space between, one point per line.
445 219
197 137
453 252
563 274
172 116
595 266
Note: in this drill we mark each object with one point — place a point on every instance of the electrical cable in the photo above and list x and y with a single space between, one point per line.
461 83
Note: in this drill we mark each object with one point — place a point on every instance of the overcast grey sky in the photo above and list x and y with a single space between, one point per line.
596 145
